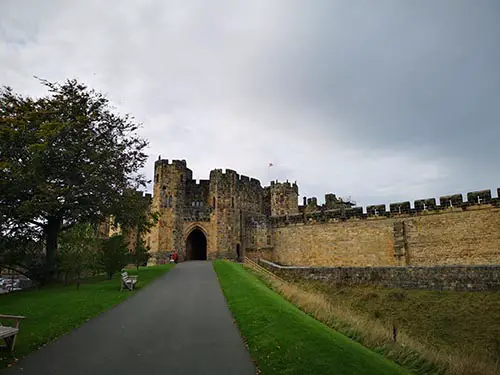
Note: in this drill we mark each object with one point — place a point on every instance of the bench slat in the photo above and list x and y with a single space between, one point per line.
3 316
8 332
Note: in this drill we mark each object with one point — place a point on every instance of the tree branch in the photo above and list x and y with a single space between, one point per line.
68 226
41 225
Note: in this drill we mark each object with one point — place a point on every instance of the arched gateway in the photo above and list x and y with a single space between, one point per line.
196 245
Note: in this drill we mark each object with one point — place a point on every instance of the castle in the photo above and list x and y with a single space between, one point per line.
207 219
232 216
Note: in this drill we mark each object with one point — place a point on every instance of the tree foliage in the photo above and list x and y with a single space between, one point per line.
113 255
64 158
78 251
140 253
137 221
23 253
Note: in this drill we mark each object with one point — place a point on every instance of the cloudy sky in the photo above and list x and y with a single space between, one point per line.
378 100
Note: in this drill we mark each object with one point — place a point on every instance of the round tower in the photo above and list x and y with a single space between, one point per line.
284 198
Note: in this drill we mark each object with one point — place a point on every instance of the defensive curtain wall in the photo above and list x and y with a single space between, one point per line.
453 232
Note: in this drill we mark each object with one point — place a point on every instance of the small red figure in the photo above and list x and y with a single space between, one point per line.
175 257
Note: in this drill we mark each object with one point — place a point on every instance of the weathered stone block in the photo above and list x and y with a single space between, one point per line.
425 204
455 200
479 197
400 208
376 210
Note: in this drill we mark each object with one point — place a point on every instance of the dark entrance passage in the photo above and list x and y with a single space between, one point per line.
196 245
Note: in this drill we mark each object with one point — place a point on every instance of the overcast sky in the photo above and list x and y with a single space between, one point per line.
381 101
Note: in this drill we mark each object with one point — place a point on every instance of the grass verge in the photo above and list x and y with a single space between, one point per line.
342 312
284 340
55 310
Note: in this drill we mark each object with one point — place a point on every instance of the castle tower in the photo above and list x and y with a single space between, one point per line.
284 198
226 214
169 199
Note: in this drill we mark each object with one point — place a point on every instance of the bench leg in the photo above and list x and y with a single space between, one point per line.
10 342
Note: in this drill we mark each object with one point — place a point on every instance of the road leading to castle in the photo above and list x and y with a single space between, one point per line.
180 324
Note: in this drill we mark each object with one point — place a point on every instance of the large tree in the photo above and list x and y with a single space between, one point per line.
65 158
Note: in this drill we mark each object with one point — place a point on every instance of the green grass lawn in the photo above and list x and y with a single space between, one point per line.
284 340
53 311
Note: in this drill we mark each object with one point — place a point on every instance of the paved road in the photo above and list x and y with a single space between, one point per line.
180 324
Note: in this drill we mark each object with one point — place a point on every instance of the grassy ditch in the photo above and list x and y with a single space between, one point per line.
284 340
55 310
452 321
437 332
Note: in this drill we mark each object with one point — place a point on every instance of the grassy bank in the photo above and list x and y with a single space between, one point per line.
284 340
427 323
461 321
53 311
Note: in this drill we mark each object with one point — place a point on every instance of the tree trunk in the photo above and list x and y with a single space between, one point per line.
78 281
52 230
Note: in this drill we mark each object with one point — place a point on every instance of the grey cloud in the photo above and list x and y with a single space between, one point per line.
382 101
397 74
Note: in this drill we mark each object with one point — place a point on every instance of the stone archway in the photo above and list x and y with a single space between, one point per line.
196 245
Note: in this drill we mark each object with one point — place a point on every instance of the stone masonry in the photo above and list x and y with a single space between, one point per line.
231 216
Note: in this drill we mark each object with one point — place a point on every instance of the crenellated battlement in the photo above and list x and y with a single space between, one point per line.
285 185
198 182
394 210
178 163
250 181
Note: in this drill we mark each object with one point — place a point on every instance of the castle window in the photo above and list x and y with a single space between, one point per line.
193 203
232 202
170 201
213 202
269 239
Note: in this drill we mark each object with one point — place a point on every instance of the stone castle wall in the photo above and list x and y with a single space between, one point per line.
355 243
456 278
235 211
452 233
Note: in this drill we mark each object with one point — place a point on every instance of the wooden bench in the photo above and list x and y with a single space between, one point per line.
128 281
8 334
